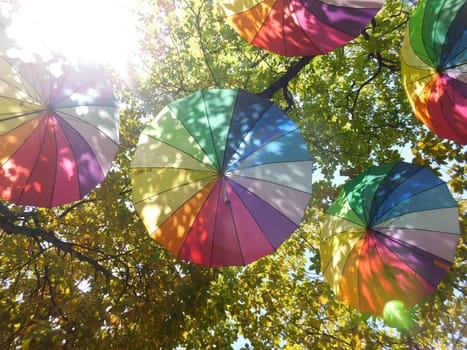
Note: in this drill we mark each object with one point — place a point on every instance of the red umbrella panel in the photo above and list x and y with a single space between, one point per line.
299 27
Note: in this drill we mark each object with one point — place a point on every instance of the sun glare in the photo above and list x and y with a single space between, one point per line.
102 30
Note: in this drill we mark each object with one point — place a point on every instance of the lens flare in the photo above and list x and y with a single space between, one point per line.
397 316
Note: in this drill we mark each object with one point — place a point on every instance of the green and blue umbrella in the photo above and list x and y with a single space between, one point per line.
221 177
391 234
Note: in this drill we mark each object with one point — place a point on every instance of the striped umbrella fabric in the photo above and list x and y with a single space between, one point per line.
58 126
221 177
299 27
391 234
434 67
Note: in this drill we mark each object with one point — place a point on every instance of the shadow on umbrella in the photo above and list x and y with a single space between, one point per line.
221 177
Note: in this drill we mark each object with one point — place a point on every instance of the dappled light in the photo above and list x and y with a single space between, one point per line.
296 27
391 234
221 177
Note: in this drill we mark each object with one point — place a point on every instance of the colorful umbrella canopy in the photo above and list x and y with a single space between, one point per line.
58 127
434 66
221 177
299 27
390 235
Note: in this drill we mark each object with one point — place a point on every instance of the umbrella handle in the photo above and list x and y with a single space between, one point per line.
226 195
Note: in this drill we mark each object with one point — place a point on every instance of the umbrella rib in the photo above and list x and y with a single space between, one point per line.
19 115
242 158
54 135
450 121
63 116
86 83
24 81
359 277
454 67
214 229
34 165
64 78
407 244
284 41
210 129
270 182
429 73
16 88
43 100
305 34
341 8
267 204
370 262
405 199
182 151
182 204
213 173
247 132
59 119
224 160
236 232
330 262
265 19
436 23
87 105
414 228
207 179
413 248
346 219
373 204
366 219
189 131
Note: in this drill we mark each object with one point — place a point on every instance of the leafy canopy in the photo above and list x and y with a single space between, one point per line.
87 276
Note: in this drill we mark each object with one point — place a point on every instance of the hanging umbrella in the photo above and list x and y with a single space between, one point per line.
390 235
299 27
58 127
221 177
434 66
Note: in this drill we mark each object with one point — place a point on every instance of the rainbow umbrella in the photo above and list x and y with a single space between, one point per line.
221 177
299 27
434 66
390 235
58 127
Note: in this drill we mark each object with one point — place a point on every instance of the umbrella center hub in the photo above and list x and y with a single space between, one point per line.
50 108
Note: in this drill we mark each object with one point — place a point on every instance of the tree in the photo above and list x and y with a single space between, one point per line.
86 275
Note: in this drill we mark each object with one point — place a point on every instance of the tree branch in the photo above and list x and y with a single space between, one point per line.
41 235
283 81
